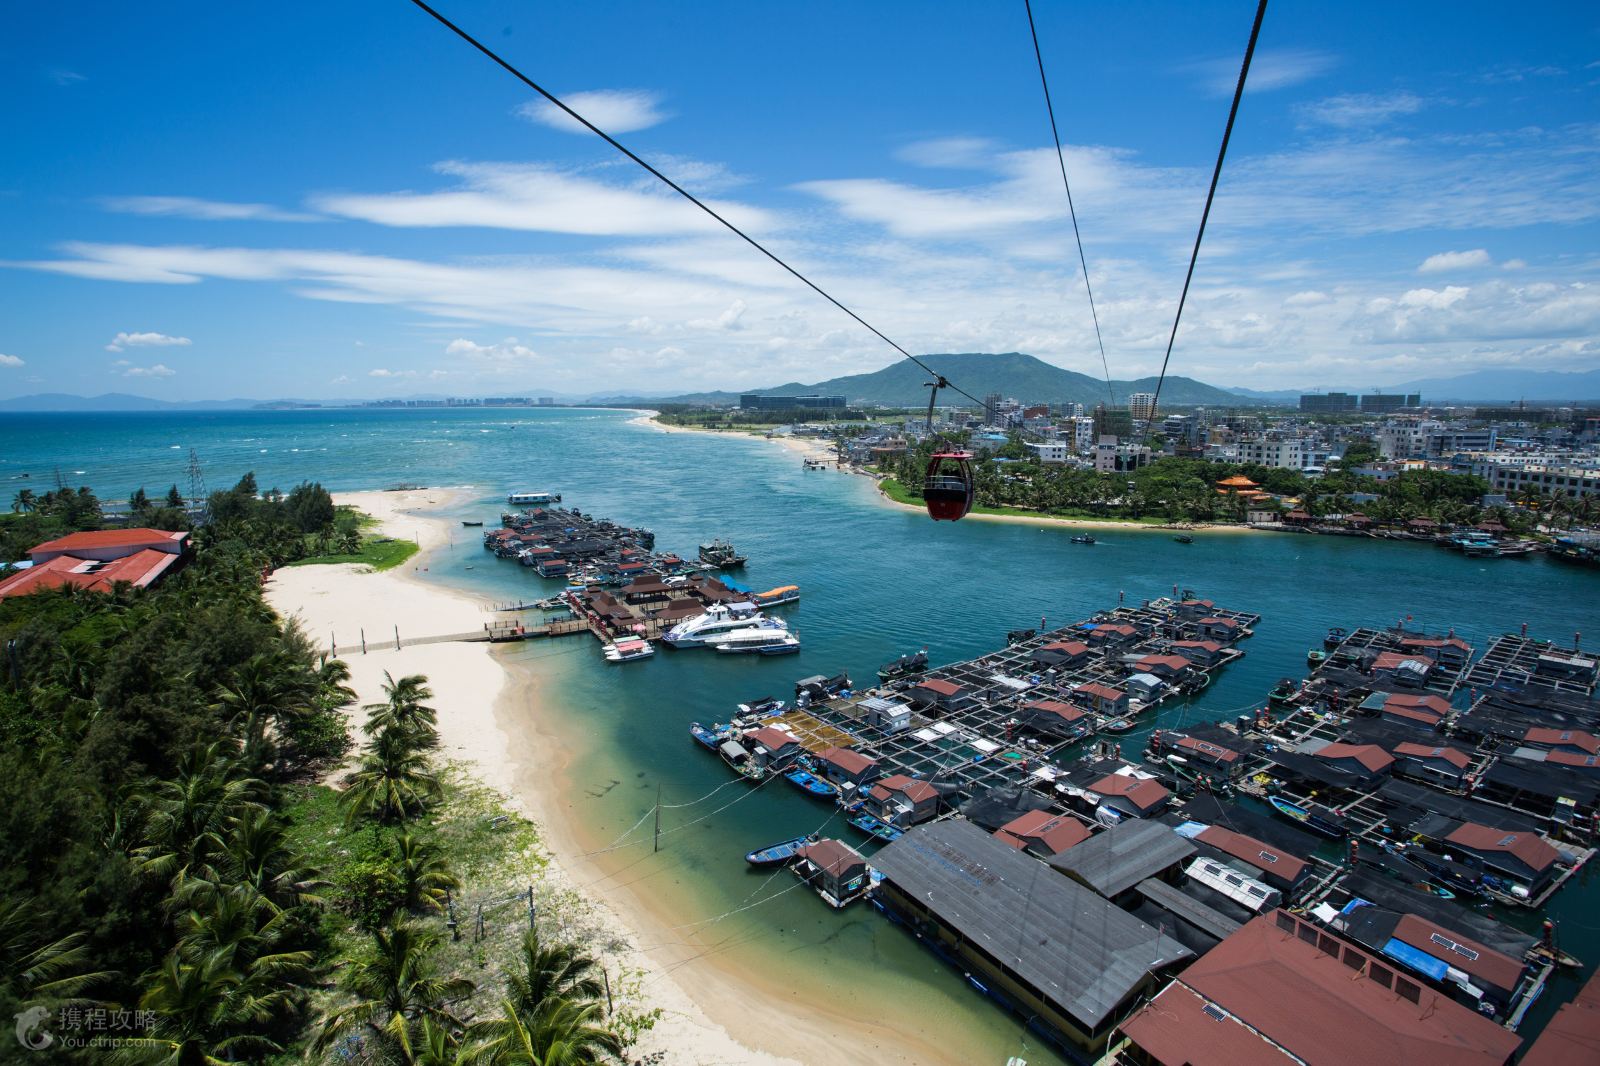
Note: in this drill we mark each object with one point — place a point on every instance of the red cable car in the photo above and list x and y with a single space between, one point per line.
948 489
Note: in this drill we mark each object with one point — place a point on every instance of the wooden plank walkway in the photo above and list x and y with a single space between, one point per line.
492 633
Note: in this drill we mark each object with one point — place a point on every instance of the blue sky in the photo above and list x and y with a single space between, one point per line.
327 200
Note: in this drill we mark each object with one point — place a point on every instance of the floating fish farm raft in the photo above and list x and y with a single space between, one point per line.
1403 809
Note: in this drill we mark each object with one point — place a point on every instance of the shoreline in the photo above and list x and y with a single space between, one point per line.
805 446
495 718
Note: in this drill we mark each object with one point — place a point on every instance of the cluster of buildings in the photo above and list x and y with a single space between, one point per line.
96 561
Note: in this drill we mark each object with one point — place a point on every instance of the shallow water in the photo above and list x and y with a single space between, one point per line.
877 582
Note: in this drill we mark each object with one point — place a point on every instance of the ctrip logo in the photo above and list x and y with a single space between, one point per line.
31 1032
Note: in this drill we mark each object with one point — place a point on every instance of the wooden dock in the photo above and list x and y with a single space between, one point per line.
491 633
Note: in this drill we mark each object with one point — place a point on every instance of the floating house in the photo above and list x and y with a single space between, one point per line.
903 801
1112 702
1365 763
1407 709
1061 654
1111 633
1439 765
1223 629
1052 950
891 716
1052 718
939 693
1271 865
1452 960
1522 857
1398 668
771 747
1572 1038
1569 741
836 870
1130 796
1043 833
846 767
1283 991
1203 653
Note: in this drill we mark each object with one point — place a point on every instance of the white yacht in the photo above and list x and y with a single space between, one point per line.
719 619
763 640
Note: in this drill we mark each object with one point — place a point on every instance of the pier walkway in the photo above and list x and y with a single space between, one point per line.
491 633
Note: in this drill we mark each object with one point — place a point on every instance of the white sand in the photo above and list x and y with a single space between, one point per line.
468 683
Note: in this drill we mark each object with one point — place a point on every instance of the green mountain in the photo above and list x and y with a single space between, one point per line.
1023 377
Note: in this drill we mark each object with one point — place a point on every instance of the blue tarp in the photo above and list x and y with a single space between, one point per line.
1418 960
1190 830
1355 901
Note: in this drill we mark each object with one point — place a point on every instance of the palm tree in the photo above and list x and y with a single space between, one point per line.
265 690
35 970
425 877
562 1032
552 971
24 500
393 782
187 819
405 709
259 856
204 1011
391 987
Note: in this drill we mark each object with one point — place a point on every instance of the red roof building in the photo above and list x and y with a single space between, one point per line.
1136 795
1282 991
1281 869
1573 1036
943 690
97 560
902 800
1043 832
1522 855
1575 740
1454 756
1370 757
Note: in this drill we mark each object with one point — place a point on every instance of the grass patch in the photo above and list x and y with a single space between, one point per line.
380 553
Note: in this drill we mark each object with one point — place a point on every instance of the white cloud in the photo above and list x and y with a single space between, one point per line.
146 340
205 210
613 110
12 361
66 77
1514 264
502 351
340 380
953 152
1308 298
1447 261
1270 68
728 320
520 196
159 370
381 372
1351 110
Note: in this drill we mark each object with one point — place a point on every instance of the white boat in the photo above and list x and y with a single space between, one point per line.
774 597
626 651
533 499
765 640
719 619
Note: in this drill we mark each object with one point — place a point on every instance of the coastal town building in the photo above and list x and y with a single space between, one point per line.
98 560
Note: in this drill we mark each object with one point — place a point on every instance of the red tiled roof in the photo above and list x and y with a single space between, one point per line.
912 789
110 538
1208 604
1211 751
1114 627
1566 738
1070 647
1572 758
770 737
1226 622
1065 710
1573 1036
1437 704
1176 662
834 856
942 687
1103 691
1205 645
1310 1003
1528 847
1415 714
847 759
1371 756
1454 756
1263 857
1144 792
1502 971
1057 832
141 569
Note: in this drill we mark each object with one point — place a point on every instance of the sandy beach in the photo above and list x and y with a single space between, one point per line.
1077 523
493 718
808 447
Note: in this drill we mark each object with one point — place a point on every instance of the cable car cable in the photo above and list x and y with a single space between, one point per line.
1061 159
1216 176
674 186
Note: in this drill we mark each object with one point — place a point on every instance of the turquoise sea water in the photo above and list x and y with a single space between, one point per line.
877 582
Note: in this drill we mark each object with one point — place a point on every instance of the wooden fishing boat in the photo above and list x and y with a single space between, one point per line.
1184 538
810 784
1317 819
873 827
780 854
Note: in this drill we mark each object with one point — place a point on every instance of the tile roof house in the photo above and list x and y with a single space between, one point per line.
1043 833
1283 991
1103 698
1272 865
901 800
1135 796
99 559
846 766
1432 762
1525 857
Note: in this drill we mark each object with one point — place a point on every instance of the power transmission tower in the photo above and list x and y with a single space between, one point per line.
197 488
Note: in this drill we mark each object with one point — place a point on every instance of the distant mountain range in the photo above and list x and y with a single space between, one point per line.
1012 374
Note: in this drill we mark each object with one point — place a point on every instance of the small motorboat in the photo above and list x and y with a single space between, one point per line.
1334 638
626 651
1319 820
466 523
905 666
1083 538
1117 725
874 827
811 784
1316 657
762 707
780 854
1184 538
1283 693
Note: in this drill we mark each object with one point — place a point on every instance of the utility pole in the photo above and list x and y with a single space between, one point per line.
657 845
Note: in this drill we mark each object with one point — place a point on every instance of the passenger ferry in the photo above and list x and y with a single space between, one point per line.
764 640
533 499
719 619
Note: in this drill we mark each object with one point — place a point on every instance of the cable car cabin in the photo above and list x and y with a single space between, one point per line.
947 490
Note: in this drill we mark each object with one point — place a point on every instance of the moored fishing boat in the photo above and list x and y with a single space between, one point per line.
905 666
1184 538
470 524
810 784
1316 657
1283 693
1318 819
710 737
780 854
1117 725
874 827
1083 538
761 707
721 554
1335 637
